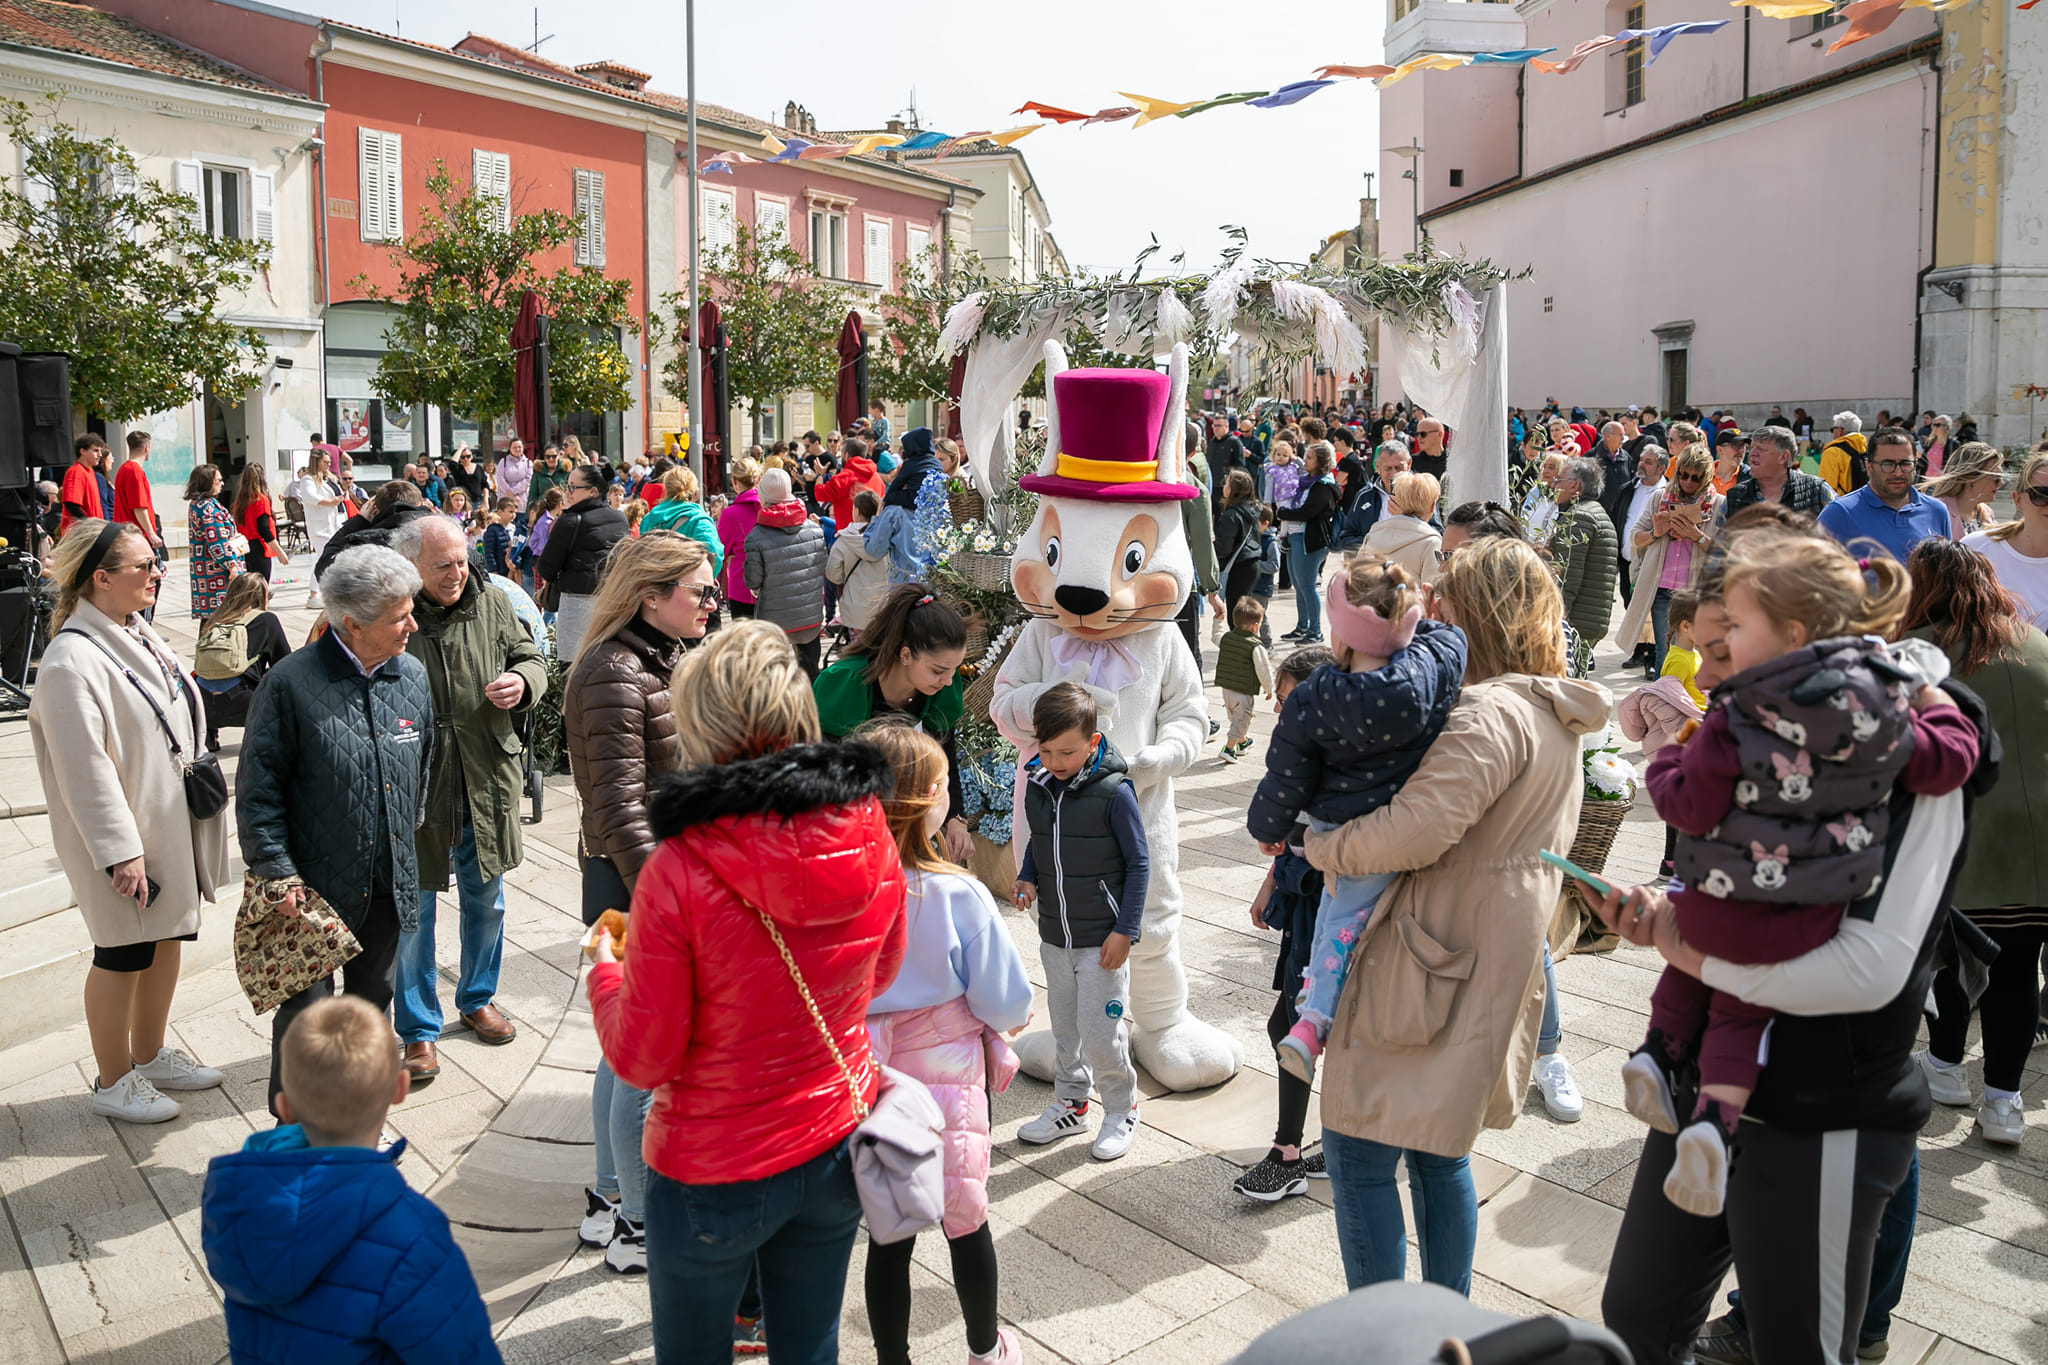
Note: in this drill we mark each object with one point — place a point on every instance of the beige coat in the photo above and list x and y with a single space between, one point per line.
863 579
113 789
1408 541
1436 1030
1648 567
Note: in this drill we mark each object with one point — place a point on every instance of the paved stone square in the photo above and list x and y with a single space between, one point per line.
1150 1260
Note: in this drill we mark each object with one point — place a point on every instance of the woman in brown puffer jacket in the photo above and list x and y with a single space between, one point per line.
658 593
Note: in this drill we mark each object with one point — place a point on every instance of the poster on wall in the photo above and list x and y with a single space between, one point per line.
352 423
398 424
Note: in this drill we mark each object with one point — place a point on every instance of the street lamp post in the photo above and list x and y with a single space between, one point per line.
1412 154
693 378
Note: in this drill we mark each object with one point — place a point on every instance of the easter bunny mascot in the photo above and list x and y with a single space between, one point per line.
1103 571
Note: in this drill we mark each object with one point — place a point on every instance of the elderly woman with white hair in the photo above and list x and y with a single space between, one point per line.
785 567
333 776
1844 460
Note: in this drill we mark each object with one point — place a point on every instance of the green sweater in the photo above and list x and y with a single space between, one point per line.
846 700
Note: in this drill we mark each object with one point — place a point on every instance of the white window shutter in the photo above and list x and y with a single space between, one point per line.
597 218
394 192
917 241
581 214
369 184
501 185
263 206
771 221
187 179
877 252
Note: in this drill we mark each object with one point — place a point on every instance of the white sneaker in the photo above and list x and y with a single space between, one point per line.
1118 1131
1560 1088
1948 1085
173 1070
132 1099
1061 1119
599 1216
1698 1179
2004 1121
627 1253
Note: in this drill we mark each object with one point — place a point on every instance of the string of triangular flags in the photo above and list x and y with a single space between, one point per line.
1864 19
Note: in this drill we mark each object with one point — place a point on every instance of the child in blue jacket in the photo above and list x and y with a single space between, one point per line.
323 1251
1347 739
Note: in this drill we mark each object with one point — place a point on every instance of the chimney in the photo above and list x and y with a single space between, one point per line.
789 116
810 124
896 125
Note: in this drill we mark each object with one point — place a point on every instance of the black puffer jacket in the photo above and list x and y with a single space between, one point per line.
333 777
578 545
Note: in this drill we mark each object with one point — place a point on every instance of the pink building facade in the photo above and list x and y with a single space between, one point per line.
1747 221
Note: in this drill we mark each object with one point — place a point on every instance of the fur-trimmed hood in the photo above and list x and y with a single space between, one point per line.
789 783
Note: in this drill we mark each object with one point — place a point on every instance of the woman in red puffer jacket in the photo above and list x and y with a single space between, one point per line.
746 1141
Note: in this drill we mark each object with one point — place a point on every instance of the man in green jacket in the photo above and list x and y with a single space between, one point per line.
1584 549
482 667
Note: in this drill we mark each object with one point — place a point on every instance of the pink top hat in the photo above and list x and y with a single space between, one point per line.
1364 630
1110 422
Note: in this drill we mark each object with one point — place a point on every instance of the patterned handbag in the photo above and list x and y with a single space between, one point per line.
277 956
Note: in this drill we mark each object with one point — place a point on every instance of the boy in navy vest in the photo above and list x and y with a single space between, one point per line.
1087 847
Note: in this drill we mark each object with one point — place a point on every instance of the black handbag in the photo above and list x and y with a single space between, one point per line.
206 783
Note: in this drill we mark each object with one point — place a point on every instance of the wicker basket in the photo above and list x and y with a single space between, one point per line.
1599 822
967 505
990 573
981 693
977 631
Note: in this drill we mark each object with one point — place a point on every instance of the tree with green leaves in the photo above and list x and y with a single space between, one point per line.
781 320
462 274
120 273
905 366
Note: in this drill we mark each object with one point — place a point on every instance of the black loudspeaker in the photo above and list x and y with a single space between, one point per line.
17 632
45 388
13 440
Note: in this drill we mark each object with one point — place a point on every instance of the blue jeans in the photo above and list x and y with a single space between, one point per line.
1306 569
618 1117
704 1240
416 1004
1660 623
1371 1232
1551 1032
1887 1262
1347 905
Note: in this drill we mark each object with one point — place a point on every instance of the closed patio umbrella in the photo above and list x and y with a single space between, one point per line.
851 400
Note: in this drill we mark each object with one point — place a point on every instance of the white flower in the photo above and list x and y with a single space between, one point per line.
1611 775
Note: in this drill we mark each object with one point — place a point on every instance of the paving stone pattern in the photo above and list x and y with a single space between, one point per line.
1151 1260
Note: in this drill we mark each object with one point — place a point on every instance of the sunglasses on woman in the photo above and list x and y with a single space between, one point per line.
2037 495
708 594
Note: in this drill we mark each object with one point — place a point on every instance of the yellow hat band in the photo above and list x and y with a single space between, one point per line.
1106 471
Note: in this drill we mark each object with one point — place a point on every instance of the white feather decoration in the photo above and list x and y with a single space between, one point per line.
1464 311
1220 300
1175 323
1293 302
963 321
1338 338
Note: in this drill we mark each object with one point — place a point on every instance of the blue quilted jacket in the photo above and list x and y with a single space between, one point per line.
323 745
327 1256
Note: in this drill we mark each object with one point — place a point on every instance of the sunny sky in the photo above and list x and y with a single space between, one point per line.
1291 176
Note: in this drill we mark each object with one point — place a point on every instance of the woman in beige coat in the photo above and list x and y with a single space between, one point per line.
1436 1030
138 863
1404 536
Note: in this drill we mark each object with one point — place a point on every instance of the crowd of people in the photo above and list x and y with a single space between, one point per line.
1844 711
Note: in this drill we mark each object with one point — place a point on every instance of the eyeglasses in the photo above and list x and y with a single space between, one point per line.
1689 478
1894 466
2037 495
708 594
149 564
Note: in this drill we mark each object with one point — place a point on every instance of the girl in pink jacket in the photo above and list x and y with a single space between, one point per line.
961 987
1656 715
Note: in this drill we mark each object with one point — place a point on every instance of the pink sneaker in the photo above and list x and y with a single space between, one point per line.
1008 1351
1298 1051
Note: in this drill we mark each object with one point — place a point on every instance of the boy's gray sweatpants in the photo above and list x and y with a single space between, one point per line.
1088 1006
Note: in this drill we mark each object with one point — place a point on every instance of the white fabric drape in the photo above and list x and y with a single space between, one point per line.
1468 395
996 370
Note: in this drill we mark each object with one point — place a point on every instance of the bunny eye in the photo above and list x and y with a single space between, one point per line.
1052 552
1134 557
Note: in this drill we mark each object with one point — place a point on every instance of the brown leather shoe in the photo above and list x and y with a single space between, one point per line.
422 1061
490 1027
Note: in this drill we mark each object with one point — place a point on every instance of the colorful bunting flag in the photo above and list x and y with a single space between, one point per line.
1150 108
1353 73
790 150
1051 112
1660 37
951 144
1515 58
1204 106
721 163
1293 93
1428 61
1785 9
770 143
1579 55
1114 115
1867 19
922 141
1005 138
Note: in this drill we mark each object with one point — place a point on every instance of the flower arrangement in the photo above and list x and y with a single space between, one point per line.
1609 776
988 778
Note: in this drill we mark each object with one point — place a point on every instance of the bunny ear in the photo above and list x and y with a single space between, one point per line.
1055 366
1171 427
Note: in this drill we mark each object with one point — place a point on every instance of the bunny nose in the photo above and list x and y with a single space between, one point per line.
1078 600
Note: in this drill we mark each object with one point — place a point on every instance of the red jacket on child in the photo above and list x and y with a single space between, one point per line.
703 1011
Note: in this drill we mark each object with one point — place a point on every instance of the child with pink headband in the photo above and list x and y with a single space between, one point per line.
1348 738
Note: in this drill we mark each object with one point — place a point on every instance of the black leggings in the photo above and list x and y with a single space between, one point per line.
888 1292
1294 1091
2010 1008
1190 623
1800 1228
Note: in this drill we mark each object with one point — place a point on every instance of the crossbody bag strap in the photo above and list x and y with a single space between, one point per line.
853 1088
177 750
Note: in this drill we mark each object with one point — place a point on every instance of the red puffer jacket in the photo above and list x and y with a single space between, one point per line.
703 1012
